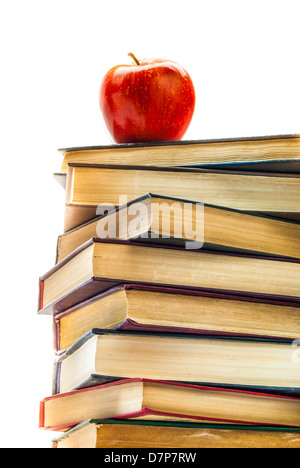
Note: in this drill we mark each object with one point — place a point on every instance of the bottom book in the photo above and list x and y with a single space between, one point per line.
142 434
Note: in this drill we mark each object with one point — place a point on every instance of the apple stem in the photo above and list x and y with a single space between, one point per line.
134 58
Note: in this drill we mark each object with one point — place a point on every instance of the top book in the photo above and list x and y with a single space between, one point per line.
269 153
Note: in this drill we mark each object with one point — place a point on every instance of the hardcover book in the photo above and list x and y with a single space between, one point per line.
103 356
168 220
101 264
158 400
282 150
91 186
169 310
140 434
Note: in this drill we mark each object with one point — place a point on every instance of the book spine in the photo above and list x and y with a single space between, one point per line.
41 295
56 335
56 378
57 249
42 415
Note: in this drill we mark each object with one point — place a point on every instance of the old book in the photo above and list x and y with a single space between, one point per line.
162 219
151 308
101 264
102 356
141 434
157 400
282 149
108 186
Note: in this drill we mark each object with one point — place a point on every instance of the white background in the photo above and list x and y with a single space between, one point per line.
243 57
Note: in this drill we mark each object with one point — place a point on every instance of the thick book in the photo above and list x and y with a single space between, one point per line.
103 356
158 400
283 166
103 263
169 310
107 186
280 151
169 220
97 434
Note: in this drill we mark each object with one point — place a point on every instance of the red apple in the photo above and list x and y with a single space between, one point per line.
149 100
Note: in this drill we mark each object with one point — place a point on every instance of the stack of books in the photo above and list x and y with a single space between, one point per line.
176 296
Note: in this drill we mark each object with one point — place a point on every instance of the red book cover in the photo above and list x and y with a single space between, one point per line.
145 411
